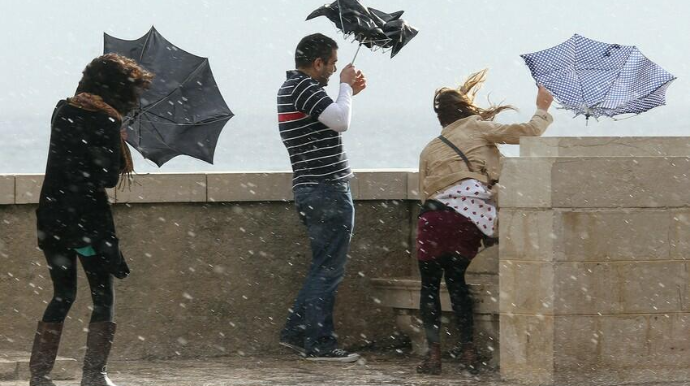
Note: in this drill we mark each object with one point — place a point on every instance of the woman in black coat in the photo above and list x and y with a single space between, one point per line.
87 155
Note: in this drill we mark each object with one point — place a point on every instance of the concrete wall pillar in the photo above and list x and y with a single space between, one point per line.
594 283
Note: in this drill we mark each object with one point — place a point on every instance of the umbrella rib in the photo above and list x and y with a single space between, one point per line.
149 107
619 74
340 13
161 117
204 122
646 96
160 137
579 82
143 49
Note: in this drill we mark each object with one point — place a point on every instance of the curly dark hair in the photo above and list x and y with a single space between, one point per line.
117 79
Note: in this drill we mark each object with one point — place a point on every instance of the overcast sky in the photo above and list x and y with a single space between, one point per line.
250 44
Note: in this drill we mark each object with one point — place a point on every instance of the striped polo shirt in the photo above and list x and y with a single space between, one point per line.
316 152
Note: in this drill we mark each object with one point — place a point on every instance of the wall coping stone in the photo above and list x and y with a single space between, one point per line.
368 184
244 186
604 146
595 182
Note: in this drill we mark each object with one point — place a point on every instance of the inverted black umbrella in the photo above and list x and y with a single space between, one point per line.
396 29
183 111
372 28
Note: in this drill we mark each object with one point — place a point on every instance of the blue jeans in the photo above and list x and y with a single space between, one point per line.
329 214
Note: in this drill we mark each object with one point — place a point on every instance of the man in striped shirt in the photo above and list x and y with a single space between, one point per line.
311 124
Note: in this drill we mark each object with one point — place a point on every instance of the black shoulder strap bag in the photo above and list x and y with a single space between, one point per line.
464 158
460 153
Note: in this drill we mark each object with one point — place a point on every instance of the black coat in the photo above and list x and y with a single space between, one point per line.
83 160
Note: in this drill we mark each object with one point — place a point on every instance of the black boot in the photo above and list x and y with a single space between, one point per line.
98 344
44 352
469 358
432 362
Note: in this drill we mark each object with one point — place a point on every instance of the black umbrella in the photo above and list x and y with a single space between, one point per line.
183 112
370 27
395 28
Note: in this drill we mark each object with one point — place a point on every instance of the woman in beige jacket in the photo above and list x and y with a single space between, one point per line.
457 171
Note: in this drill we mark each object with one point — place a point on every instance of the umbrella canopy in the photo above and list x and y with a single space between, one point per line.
597 79
370 27
397 30
183 111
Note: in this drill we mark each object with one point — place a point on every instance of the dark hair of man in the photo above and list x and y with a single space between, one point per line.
312 47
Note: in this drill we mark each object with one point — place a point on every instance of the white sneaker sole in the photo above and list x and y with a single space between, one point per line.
294 348
348 359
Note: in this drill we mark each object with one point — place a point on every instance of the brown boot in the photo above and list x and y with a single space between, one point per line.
44 352
98 344
469 358
432 363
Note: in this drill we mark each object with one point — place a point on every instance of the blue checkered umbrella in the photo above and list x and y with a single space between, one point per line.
597 79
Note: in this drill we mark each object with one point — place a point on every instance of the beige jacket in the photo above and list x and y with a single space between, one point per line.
440 167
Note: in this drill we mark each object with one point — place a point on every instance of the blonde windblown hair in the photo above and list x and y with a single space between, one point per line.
452 104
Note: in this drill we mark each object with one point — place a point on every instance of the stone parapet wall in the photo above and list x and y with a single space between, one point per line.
593 261
594 283
216 260
379 184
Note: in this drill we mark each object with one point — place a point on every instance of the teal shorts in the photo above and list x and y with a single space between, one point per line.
86 251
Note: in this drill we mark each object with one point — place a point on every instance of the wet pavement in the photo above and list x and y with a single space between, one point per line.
284 370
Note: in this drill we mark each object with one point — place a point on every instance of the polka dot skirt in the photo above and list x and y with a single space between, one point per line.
472 199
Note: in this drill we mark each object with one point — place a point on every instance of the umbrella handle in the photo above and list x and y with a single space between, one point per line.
357 52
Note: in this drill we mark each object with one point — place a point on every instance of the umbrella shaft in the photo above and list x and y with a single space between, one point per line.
357 52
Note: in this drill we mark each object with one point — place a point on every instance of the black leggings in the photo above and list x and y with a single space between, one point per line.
430 303
63 272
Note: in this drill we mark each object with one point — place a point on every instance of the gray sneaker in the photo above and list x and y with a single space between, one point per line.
335 355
